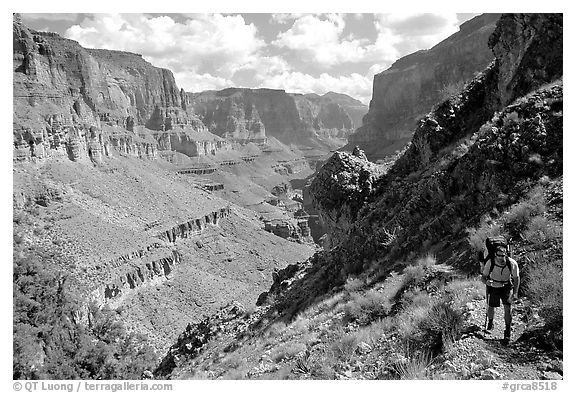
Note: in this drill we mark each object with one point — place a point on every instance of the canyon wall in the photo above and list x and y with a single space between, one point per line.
406 91
74 102
249 115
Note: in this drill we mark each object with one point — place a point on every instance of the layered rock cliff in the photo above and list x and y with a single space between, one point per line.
65 96
406 91
248 115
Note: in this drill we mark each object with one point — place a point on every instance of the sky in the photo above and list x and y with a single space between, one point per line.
300 53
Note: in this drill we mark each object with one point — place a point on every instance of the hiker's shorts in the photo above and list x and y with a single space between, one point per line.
497 294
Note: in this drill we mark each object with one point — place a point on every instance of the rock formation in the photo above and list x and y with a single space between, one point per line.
406 91
248 115
65 96
354 108
339 189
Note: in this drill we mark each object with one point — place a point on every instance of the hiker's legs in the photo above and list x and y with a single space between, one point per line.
507 315
490 313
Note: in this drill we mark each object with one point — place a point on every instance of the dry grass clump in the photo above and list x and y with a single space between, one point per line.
519 215
367 307
540 231
544 287
431 323
287 351
344 347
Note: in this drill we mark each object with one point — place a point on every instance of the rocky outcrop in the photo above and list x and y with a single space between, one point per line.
135 275
406 91
193 142
194 226
338 191
197 335
528 49
289 167
64 95
250 114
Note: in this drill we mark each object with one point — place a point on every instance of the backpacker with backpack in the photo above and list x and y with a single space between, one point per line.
492 244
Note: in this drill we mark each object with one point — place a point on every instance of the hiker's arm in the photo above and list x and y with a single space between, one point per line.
481 263
485 270
515 280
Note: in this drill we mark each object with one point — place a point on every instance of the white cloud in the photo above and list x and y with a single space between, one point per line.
407 33
355 85
267 65
208 44
195 83
206 51
285 18
318 39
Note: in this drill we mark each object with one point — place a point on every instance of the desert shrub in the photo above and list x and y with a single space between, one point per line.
300 325
344 347
275 330
540 231
517 218
412 275
367 306
372 333
287 351
354 285
544 287
415 367
443 325
427 261
465 291
407 322
433 326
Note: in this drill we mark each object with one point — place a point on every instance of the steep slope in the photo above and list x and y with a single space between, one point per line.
406 91
386 300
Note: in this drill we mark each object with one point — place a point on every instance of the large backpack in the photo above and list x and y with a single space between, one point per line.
492 244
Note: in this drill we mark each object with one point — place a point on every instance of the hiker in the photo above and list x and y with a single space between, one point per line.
502 278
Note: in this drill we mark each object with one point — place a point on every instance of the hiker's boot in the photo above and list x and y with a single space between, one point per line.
506 340
490 324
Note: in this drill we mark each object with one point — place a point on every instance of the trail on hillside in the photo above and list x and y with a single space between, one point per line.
482 355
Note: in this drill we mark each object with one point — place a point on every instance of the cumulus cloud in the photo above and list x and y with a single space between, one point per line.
208 44
214 51
407 33
355 85
195 83
317 38
285 18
